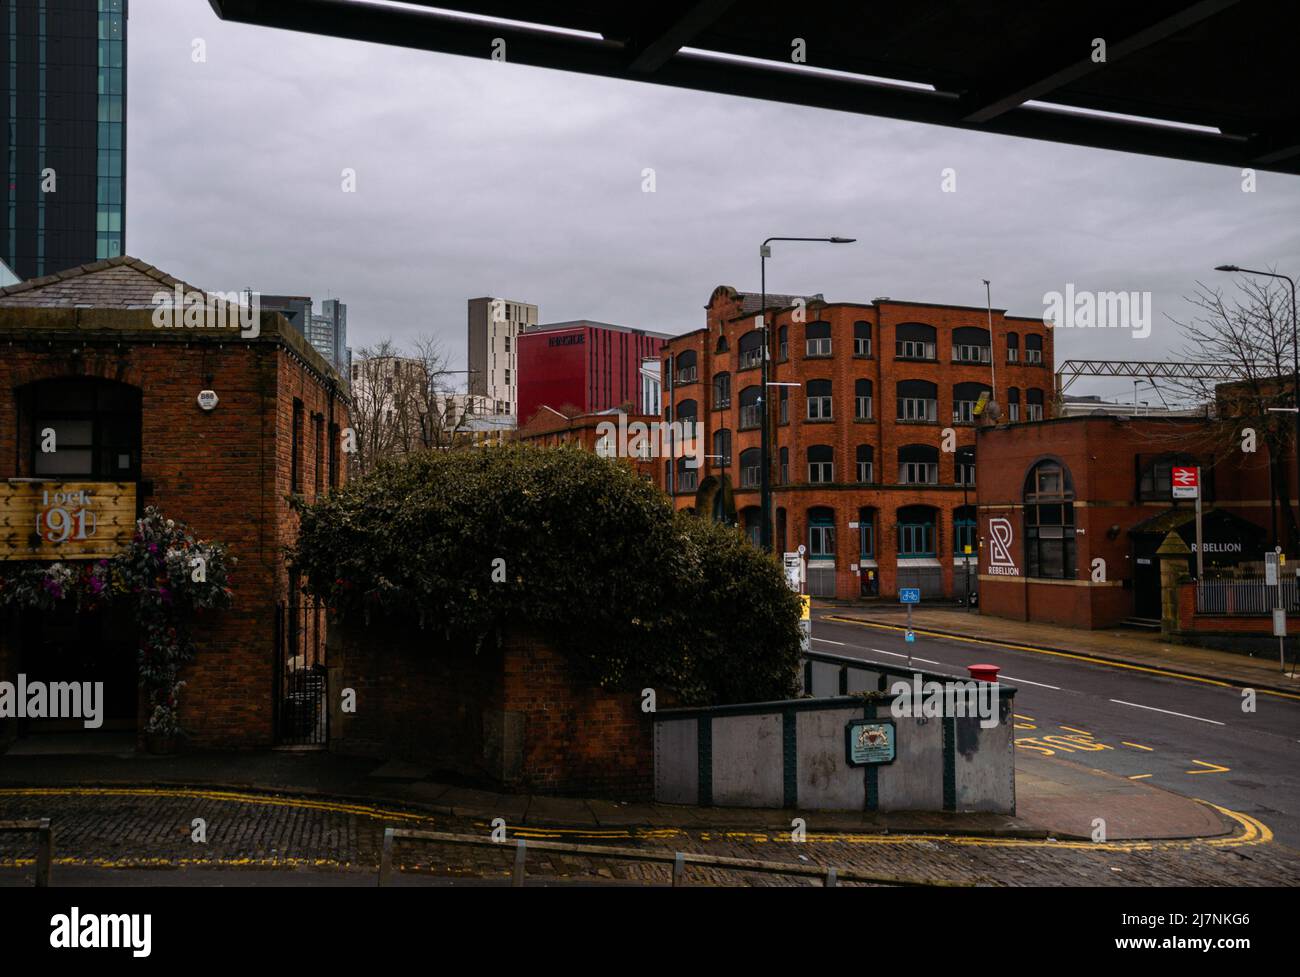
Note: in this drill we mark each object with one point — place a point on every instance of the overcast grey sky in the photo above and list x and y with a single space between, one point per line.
483 178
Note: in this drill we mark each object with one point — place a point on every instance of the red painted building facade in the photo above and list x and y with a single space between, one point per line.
582 366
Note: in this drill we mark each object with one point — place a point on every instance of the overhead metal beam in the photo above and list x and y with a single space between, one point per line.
434 30
652 52
1149 370
989 105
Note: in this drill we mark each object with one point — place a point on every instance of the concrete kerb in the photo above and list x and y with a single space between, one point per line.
1172 670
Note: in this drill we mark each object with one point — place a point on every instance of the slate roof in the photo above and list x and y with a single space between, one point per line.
113 283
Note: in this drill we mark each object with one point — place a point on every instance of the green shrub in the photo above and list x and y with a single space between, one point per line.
594 558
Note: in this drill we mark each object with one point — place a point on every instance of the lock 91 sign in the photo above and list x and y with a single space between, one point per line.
65 521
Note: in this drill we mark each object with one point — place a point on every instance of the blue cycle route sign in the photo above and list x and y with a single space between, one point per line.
909 595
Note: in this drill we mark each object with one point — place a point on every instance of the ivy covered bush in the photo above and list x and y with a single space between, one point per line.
561 542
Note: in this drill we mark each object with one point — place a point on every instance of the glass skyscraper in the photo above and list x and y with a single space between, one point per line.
63 110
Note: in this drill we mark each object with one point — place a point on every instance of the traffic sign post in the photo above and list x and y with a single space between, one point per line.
909 596
1273 578
1186 484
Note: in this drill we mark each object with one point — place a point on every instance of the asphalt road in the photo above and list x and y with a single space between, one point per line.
1186 736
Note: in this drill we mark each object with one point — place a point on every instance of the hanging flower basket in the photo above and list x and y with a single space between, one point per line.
166 577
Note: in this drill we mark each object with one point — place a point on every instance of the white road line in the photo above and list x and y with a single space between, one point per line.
1025 681
881 651
899 654
1168 712
828 641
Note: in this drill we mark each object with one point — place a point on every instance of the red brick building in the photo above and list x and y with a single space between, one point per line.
582 366
591 432
872 428
1055 498
83 355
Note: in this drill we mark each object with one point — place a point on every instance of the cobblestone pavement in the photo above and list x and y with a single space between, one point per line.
151 828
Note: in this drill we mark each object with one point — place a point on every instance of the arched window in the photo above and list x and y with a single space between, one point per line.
751 406
721 390
96 425
1049 521
817 339
916 531
783 405
1033 404
783 342
1013 347
687 370
722 346
722 447
866 463
821 463
821 533
914 341
784 455
965 398
861 338
1013 404
688 479
819 400
862 407
918 401
751 467
1033 348
918 464
963 530
970 344
686 411
751 349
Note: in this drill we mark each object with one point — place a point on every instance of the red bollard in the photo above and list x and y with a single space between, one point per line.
983 673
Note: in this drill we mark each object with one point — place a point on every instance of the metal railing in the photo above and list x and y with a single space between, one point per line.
44 845
1245 596
679 860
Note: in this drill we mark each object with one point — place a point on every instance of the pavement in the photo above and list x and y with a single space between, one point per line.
1055 798
1128 646
289 816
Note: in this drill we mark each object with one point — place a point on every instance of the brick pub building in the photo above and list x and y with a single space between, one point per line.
1055 497
859 474
82 355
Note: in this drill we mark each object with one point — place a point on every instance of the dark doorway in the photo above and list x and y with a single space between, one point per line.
93 646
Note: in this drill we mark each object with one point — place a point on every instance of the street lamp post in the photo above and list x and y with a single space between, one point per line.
1295 355
765 451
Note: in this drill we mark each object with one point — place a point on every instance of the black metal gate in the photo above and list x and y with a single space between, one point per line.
301 686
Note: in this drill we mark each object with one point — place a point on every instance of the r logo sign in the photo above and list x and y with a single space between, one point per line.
1000 538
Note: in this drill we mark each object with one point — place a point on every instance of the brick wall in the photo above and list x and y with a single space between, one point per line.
1102 455
225 472
1243 634
844 433
520 715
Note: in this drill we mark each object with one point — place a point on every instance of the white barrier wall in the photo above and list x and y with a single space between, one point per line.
794 753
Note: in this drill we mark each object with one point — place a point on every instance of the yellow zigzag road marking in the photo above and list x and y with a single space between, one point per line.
1057 654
